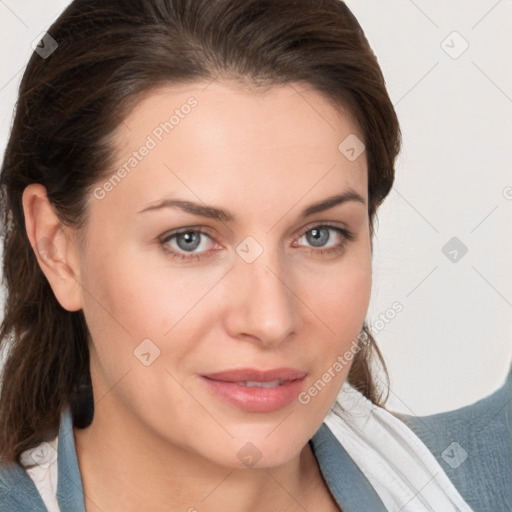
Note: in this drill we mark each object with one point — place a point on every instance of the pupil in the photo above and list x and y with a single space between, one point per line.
191 238
317 239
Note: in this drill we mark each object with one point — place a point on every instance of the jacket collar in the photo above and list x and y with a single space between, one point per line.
347 483
18 491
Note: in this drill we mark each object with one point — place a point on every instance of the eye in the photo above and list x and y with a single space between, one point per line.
183 244
318 236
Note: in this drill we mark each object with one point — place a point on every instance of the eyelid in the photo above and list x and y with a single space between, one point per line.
195 229
325 224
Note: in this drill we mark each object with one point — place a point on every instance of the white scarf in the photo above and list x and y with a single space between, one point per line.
399 466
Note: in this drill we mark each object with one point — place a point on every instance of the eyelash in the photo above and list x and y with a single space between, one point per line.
347 236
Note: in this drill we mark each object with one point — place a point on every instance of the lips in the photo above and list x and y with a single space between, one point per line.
256 375
256 390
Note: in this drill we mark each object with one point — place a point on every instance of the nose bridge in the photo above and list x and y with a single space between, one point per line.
264 306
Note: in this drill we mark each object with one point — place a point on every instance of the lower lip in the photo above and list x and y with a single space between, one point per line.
256 399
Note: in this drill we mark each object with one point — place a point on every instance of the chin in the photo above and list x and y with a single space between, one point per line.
259 451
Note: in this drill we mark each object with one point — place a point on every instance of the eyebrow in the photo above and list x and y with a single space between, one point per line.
225 216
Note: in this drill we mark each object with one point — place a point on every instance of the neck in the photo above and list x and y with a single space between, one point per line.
126 467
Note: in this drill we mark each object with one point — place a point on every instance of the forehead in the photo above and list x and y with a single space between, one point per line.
229 105
220 141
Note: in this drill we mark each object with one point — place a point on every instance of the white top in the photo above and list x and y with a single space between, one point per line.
44 474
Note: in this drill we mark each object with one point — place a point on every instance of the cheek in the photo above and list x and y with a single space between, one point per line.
141 296
339 298
340 294
349 289
127 303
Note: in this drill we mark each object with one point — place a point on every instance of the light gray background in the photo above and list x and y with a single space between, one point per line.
452 342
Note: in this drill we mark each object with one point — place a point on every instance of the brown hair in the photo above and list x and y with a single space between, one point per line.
110 53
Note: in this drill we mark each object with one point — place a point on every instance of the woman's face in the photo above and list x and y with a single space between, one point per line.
261 286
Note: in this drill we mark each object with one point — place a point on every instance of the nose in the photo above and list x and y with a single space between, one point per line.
263 305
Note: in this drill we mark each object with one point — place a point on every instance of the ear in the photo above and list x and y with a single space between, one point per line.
54 245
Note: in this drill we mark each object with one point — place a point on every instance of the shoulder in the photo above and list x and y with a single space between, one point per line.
17 490
473 445
31 485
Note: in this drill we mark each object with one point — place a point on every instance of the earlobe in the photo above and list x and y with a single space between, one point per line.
55 251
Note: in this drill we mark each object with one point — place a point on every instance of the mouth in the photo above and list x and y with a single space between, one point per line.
256 384
253 390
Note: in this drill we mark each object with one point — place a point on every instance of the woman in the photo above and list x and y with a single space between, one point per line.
234 374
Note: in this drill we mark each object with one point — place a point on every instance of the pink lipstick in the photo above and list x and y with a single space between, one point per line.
256 390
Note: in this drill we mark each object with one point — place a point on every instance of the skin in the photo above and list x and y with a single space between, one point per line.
160 440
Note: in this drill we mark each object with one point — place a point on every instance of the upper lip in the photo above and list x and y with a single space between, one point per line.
255 375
